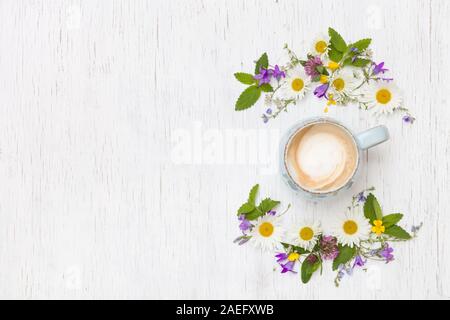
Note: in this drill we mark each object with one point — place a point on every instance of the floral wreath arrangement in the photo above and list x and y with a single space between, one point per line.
341 73
363 233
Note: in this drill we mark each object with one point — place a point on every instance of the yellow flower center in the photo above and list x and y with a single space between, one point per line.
297 84
383 96
350 227
321 46
333 65
323 79
339 84
306 234
293 256
266 229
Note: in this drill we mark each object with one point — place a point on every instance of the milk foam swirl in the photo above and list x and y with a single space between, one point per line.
322 156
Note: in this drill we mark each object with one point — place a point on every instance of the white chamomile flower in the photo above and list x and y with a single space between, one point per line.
382 97
343 82
351 228
320 45
305 235
267 233
295 85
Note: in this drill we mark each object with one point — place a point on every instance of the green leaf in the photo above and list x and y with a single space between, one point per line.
248 98
392 219
246 208
252 194
262 62
267 205
372 209
322 70
377 208
308 270
315 79
361 45
345 255
266 87
360 63
335 55
397 232
255 214
245 78
337 41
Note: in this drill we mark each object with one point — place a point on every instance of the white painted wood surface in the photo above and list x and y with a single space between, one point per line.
92 204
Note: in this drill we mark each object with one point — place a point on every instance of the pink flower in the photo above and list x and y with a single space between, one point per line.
329 248
311 64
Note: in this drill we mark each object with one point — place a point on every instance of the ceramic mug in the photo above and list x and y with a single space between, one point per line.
363 141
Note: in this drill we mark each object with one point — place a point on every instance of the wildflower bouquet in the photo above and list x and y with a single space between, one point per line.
363 233
341 73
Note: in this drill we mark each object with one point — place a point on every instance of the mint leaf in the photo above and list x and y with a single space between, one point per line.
245 78
369 211
255 214
335 55
267 205
361 45
392 219
266 87
308 270
345 255
360 63
252 194
377 208
248 98
337 41
372 209
262 62
246 208
397 232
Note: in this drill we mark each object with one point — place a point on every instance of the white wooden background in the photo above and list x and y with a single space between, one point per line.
92 204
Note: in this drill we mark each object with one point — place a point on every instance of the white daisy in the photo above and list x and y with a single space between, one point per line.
295 84
343 82
382 97
267 233
320 45
351 228
305 235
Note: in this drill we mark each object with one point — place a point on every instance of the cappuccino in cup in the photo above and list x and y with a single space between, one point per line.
322 157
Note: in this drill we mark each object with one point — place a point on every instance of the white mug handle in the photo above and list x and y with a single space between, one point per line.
372 137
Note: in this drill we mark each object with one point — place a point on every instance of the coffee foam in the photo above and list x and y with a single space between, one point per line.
322 157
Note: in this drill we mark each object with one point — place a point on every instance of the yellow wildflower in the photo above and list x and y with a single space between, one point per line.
293 256
378 227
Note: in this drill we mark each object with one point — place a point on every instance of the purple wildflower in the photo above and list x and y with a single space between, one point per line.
241 240
272 212
269 111
329 248
408 119
360 197
265 118
354 49
311 65
342 268
281 257
277 73
379 68
288 267
359 262
386 253
321 90
245 224
264 76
